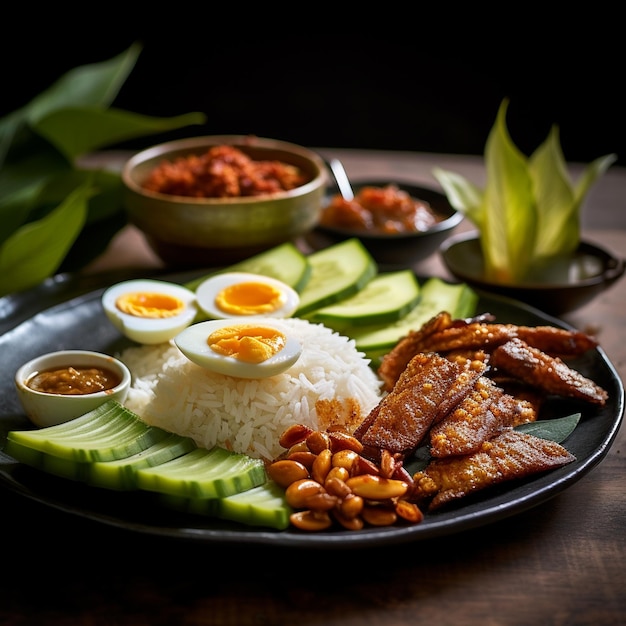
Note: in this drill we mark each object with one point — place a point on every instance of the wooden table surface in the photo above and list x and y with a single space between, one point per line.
562 562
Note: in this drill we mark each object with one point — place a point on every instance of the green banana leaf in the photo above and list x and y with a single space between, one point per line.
35 251
55 216
93 128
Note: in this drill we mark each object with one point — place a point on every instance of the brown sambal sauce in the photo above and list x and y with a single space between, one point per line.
223 172
74 381
384 210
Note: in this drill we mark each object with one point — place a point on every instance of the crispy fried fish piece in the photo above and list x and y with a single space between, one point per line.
520 390
395 362
449 336
426 391
508 456
551 374
557 342
477 335
484 413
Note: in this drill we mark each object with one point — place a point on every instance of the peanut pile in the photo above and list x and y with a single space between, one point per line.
328 481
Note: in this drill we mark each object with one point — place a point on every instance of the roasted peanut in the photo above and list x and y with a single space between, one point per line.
338 472
307 520
350 523
326 477
343 441
318 441
294 434
321 501
287 471
364 466
337 487
297 493
387 464
379 515
351 506
345 458
376 487
321 466
409 511
303 456
298 447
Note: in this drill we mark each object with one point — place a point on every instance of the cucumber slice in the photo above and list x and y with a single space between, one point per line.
121 474
264 505
337 272
385 299
110 431
118 475
201 473
436 296
284 262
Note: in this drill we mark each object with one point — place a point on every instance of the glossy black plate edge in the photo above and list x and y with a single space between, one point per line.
500 505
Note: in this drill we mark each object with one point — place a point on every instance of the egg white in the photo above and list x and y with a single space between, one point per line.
149 330
208 290
192 342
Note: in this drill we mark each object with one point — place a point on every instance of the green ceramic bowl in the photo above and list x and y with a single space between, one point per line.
203 232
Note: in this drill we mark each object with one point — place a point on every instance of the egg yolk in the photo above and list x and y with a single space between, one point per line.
249 299
251 344
151 305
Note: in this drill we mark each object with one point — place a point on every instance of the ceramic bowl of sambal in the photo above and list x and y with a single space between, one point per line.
58 386
400 223
215 200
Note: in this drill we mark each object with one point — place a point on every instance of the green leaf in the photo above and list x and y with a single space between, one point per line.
558 230
77 131
36 249
463 195
44 225
556 429
32 162
92 85
510 215
16 208
592 172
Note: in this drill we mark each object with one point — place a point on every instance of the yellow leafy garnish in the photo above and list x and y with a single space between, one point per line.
529 210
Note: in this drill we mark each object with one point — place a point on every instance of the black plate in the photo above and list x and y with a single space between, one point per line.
29 329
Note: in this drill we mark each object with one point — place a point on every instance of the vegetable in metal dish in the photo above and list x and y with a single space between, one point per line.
529 210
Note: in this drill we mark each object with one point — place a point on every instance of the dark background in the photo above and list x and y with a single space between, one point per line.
368 87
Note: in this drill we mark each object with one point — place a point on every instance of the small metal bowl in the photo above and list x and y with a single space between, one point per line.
191 232
567 284
397 249
47 409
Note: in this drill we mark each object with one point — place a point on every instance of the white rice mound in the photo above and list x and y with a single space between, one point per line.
249 415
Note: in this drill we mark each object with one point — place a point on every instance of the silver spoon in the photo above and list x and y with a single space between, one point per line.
343 182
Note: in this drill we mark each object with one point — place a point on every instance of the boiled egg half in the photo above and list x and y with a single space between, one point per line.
243 349
149 311
246 295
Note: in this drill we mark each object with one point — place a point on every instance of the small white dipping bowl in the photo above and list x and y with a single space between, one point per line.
47 409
